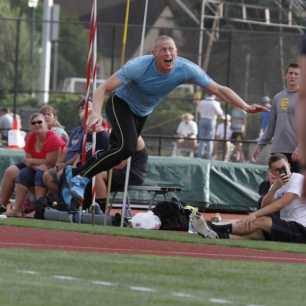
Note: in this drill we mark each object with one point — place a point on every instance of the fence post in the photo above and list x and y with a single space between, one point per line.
16 77
159 145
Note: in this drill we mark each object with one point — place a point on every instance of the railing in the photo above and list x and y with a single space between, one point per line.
228 150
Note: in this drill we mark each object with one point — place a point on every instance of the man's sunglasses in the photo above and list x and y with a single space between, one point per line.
37 122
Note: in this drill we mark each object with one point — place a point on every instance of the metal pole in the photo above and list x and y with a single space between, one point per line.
144 28
200 47
32 50
281 46
55 40
55 65
125 29
128 166
228 81
113 49
46 52
16 77
125 192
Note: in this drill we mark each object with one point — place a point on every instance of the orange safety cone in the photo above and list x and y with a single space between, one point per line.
15 135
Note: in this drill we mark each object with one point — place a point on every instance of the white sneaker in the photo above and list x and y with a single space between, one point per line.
200 226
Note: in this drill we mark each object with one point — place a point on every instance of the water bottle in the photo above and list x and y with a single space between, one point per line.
190 227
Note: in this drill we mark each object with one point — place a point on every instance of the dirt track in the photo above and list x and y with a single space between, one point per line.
61 240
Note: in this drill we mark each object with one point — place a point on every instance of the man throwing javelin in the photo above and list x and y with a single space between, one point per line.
136 90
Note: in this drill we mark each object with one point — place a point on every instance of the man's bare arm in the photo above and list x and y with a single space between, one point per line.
226 94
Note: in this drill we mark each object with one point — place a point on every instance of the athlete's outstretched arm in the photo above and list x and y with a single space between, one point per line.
226 94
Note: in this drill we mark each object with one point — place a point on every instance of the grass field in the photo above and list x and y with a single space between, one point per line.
52 278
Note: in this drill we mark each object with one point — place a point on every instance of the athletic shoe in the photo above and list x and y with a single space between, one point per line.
200 226
68 175
78 184
66 196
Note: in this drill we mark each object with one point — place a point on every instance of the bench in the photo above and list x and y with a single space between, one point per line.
154 192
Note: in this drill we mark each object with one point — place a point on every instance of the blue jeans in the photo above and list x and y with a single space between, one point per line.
206 130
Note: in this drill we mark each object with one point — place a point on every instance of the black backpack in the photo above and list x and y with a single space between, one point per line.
172 214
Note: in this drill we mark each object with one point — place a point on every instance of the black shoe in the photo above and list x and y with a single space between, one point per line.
223 231
39 207
2 209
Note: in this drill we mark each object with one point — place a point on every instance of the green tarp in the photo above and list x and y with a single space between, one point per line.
212 184
9 157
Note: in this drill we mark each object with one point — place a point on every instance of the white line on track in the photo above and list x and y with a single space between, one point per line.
182 294
133 288
64 277
103 283
142 289
219 301
27 272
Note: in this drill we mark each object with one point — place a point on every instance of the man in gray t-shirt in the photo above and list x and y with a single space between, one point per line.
282 121
6 122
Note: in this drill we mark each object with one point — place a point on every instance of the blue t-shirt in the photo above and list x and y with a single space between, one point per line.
76 141
144 86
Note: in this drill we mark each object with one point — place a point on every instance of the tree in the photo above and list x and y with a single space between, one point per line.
73 50
9 26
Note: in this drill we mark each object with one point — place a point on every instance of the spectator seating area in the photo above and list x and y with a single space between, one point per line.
214 185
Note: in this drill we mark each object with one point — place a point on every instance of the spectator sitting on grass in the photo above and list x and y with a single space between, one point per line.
282 216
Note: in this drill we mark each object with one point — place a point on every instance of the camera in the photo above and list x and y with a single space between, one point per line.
282 170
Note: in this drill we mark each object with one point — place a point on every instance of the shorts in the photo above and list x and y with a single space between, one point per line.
286 231
29 177
20 166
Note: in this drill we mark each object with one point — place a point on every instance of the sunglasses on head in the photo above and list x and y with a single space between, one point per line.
37 122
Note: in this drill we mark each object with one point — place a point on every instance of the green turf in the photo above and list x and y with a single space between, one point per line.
151 234
198 280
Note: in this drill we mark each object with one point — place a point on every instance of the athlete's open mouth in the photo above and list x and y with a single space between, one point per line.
168 61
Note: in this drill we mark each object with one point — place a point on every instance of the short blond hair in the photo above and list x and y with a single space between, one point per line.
161 38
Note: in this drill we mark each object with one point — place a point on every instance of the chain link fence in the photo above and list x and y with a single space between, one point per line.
250 62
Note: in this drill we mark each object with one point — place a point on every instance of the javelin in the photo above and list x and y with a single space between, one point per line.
110 172
91 75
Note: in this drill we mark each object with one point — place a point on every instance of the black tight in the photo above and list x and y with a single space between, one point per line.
126 127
